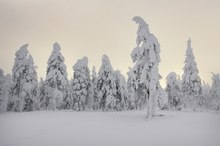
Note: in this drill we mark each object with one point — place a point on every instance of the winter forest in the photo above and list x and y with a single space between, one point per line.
107 89
109 73
104 107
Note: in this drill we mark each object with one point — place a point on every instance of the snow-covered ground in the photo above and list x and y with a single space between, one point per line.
128 128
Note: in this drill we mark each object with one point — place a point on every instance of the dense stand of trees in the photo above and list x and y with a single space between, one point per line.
107 90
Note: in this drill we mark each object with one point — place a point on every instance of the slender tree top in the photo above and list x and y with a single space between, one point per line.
190 64
189 43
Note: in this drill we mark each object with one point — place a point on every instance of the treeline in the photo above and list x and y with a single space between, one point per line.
22 92
107 90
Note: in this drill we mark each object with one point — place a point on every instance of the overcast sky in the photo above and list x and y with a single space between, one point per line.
95 27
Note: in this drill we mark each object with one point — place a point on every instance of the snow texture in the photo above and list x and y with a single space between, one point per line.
127 128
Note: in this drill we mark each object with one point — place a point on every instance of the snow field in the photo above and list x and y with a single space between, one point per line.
130 128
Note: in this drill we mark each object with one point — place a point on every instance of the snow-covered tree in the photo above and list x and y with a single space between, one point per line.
206 94
68 97
5 82
146 56
41 94
121 91
162 98
173 89
191 82
131 90
215 91
81 85
24 81
106 85
30 87
56 81
96 100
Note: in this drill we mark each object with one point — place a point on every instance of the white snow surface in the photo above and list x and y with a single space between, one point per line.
127 128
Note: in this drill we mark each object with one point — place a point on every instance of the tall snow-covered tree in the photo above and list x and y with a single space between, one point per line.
24 81
121 91
31 86
81 85
106 85
96 100
146 56
173 89
191 82
56 81
5 82
215 91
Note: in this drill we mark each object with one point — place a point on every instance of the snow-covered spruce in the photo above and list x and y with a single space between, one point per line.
121 91
96 100
68 97
25 83
146 56
215 91
206 95
173 89
191 82
131 90
5 83
41 94
56 81
81 85
162 98
106 85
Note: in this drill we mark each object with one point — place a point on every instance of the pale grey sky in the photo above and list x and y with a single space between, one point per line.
95 27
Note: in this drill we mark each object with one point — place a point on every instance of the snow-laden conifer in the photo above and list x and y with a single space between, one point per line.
173 89
146 56
121 91
191 82
131 90
5 83
24 77
215 91
106 85
81 85
56 81
96 100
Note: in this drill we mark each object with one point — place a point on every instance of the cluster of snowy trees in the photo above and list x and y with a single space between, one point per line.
108 89
22 92
189 93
